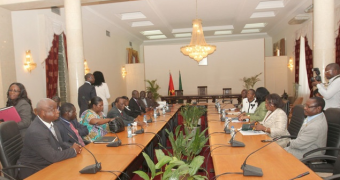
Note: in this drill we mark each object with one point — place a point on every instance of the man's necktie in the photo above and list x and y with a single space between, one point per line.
53 132
80 140
138 105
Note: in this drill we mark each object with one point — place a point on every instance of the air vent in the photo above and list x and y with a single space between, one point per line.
299 19
55 10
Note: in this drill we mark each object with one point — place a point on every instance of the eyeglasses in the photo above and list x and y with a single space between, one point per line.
15 91
328 71
306 106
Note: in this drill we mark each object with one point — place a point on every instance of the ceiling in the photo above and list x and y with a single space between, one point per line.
171 16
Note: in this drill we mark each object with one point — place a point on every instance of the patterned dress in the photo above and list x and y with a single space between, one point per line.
95 131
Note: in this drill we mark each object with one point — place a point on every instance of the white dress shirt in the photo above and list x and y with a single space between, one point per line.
331 94
249 107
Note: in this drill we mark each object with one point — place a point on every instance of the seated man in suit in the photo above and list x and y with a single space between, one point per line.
127 110
145 103
249 103
152 102
68 125
134 105
43 144
313 132
86 92
117 110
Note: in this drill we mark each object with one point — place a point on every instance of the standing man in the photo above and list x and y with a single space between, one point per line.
68 125
330 91
249 103
134 105
43 144
313 132
86 92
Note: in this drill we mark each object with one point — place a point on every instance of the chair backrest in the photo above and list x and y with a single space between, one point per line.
336 169
202 90
333 134
296 121
10 145
179 92
285 107
226 91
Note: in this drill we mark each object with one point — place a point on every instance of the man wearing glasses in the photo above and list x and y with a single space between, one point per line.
313 132
330 91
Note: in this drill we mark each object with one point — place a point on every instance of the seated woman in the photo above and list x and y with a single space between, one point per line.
94 119
17 97
261 110
275 121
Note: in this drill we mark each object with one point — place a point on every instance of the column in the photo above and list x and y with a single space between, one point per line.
324 37
75 52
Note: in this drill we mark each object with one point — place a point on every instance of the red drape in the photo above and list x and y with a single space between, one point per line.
297 60
309 65
51 66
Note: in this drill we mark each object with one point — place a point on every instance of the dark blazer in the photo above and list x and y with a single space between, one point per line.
64 129
141 103
24 110
128 112
85 93
135 108
41 148
152 103
114 112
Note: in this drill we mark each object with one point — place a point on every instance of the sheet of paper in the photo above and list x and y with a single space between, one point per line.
249 133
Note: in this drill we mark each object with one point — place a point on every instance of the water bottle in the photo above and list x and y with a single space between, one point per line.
163 110
226 123
219 109
155 113
144 120
129 131
223 113
232 132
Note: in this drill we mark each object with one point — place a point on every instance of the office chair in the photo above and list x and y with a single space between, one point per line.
11 144
202 90
227 91
179 93
333 143
298 116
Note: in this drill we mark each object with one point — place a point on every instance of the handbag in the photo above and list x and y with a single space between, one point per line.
117 125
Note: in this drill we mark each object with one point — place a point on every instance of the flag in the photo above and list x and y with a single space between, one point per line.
180 82
171 89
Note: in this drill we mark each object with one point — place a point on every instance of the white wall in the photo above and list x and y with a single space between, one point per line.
226 66
106 54
276 74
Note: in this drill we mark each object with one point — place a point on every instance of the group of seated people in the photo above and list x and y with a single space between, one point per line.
264 110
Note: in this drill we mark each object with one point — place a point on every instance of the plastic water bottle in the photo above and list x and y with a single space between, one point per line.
232 132
163 110
129 131
223 113
155 113
226 123
144 120
219 109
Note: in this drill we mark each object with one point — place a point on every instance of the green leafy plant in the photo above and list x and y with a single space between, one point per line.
153 87
250 82
183 170
191 115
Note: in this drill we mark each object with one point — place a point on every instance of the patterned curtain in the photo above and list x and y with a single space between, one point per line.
51 66
337 48
309 65
297 60
65 48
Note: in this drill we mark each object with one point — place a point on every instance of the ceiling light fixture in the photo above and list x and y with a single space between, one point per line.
198 48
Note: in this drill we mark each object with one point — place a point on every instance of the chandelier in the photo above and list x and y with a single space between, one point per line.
198 48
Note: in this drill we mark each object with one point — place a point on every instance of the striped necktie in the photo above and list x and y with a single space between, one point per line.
80 140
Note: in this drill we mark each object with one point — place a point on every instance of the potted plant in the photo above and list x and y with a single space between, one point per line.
153 87
250 82
191 115
166 164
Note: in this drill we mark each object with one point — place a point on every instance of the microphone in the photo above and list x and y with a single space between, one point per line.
91 169
249 170
149 120
234 143
226 129
115 143
141 131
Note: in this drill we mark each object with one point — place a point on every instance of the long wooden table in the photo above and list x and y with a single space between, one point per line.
191 97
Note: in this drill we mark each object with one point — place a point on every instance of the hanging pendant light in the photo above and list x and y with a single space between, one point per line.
198 48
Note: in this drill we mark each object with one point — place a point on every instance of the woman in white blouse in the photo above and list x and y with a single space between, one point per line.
102 90
275 121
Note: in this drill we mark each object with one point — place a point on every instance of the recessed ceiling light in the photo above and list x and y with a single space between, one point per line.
250 30
153 32
132 15
270 5
222 32
255 25
182 35
263 14
141 23
156 37
206 28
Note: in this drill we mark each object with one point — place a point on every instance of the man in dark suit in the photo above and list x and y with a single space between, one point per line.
117 110
134 105
43 144
85 93
152 103
142 101
127 109
68 125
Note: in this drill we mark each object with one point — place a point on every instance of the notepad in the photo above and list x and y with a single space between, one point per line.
9 114
105 140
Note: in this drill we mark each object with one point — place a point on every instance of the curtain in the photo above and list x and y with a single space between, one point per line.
309 65
304 90
51 66
297 60
65 48
337 48
132 54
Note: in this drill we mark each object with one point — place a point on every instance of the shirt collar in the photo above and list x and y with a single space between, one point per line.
64 120
309 118
48 125
119 110
88 82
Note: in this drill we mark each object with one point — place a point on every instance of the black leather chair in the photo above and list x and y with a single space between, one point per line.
11 144
298 116
227 91
333 143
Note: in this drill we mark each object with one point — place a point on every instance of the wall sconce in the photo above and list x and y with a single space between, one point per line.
277 52
29 65
290 64
87 69
124 72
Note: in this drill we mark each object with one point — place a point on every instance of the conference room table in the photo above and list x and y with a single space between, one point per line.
275 162
188 98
